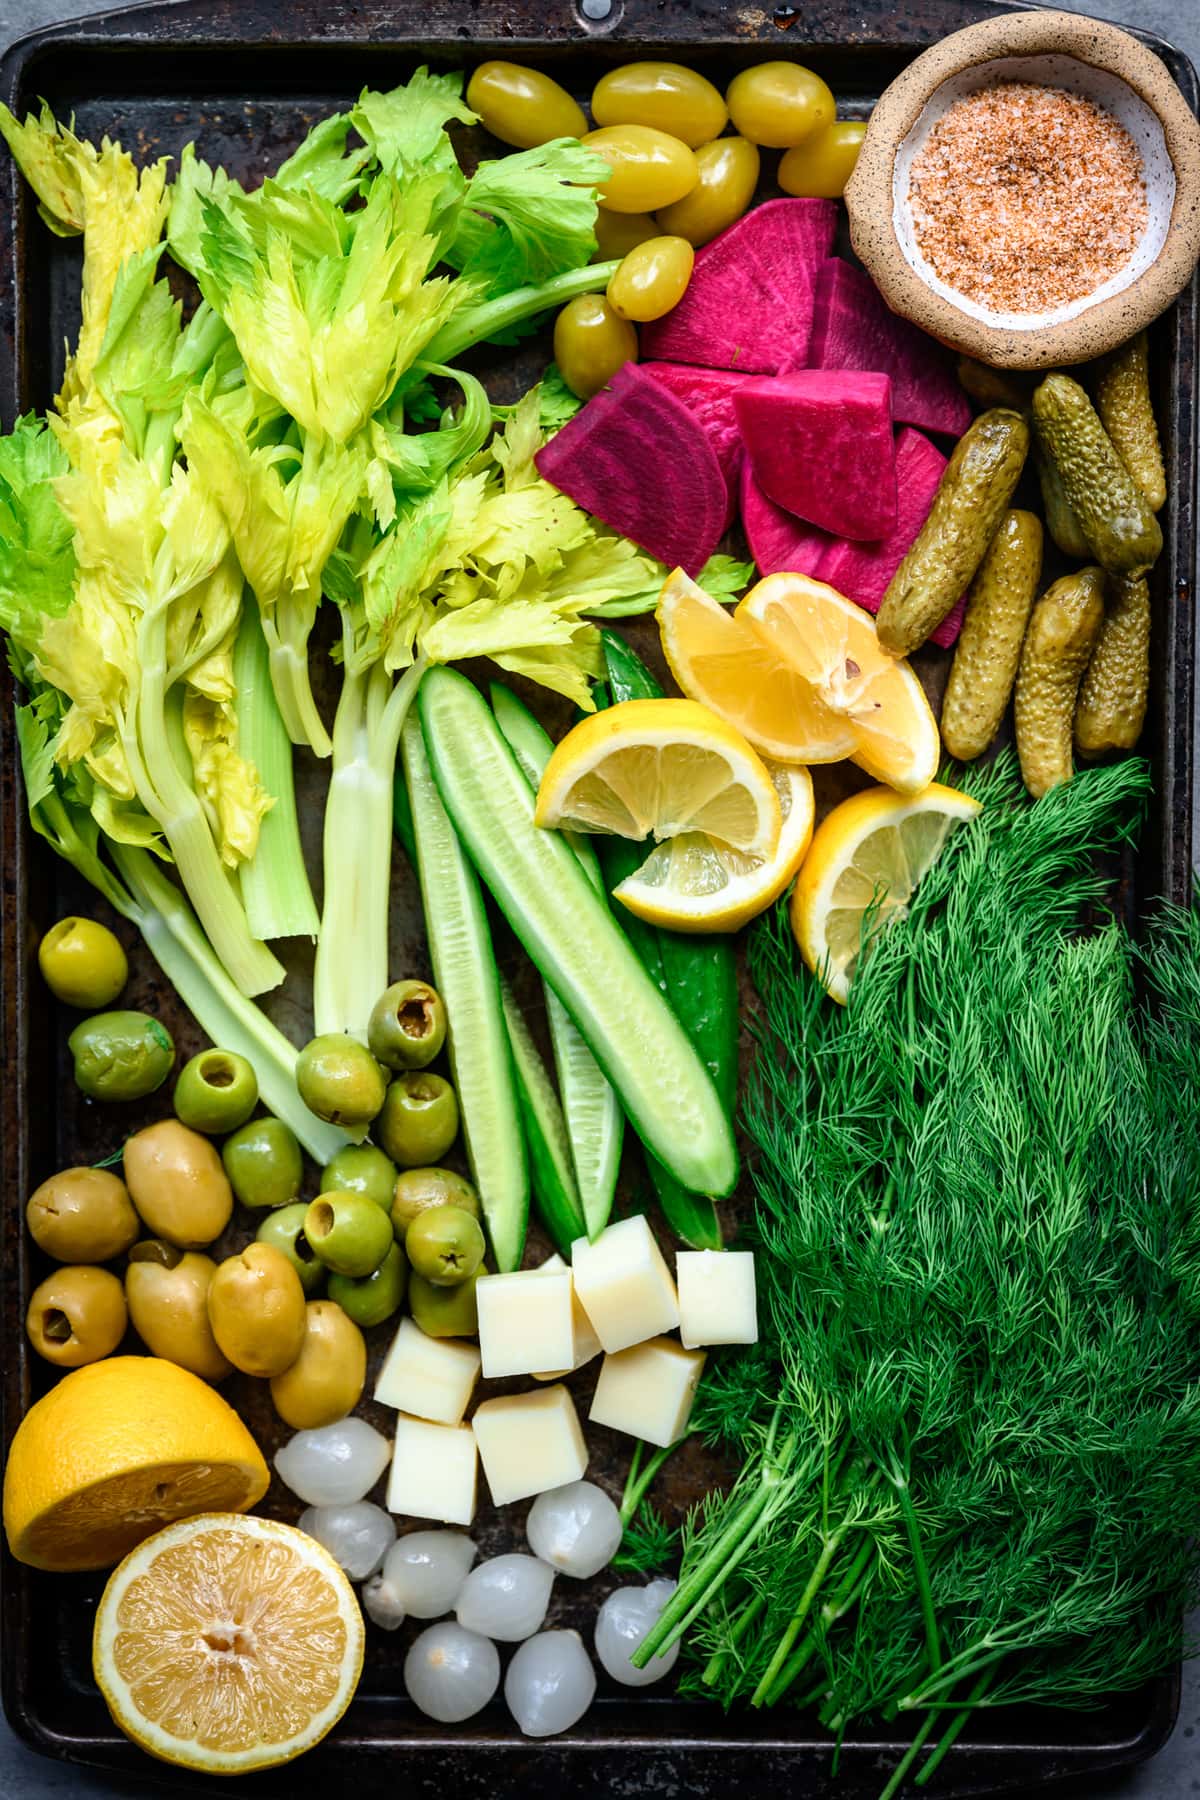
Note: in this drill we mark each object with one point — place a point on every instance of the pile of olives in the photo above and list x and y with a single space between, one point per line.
675 179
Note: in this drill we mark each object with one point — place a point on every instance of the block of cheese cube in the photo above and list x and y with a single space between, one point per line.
431 1378
529 1442
587 1344
716 1297
648 1390
624 1284
434 1470
525 1322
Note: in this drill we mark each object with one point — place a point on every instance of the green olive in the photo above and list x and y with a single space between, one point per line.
649 168
522 106
728 177
419 1189
263 1163
652 279
408 1025
820 167
76 1316
216 1092
340 1080
444 1245
325 1381
591 343
82 1216
167 1292
256 1310
349 1233
121 1055
82 963
176 1181
370 1299
419 1121
619 233
284 1229
361 1169
662 94
443 1311
779 104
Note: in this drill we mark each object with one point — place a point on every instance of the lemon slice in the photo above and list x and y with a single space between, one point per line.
661 768
869 852
694 883
728 666
832 646
227 1643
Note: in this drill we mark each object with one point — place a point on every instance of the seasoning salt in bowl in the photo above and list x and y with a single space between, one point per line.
1029 190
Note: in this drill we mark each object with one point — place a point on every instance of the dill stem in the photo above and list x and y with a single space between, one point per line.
950 1674
811 1590
920 1572
715 1665
833 1609
639 1479
909 1758
950 1735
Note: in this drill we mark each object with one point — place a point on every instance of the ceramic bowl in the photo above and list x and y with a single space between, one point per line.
1064 50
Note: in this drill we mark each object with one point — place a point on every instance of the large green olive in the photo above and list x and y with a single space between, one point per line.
120 1055
82 1216
256 1310
82 963
407 1026
325 1381
361 1169
349 1233
443 1311
176 1181
167 1292
284 1228
372 1298
340 1080
263 1163
445 1245
216 1092
76 1316
419 1121
418 1189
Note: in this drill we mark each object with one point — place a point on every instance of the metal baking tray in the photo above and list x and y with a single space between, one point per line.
246 79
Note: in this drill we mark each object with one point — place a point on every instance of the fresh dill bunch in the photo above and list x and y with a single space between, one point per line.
649 1545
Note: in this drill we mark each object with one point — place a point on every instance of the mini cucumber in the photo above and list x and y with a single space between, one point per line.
555 1194
464 971
573 940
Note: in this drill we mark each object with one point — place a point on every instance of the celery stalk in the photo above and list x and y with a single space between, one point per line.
275 887
474 324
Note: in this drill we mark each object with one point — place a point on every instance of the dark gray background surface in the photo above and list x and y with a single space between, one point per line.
1173 1775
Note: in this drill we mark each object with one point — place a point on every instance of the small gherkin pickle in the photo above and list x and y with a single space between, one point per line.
973 495
989 649
1057 646
1112 699
1127 413
1061 521
1122 533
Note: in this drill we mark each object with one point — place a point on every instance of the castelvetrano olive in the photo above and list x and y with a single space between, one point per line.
176 1181
370 1299
419 1121
325 1381
407 1027
263 1163
417 1189
82 1215
443 1311
76 1316
120 1055
340 1080
349 1233
284 1229
216 1092
445 1245
361 1169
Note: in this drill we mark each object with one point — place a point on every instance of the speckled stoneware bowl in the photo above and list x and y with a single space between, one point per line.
1058 49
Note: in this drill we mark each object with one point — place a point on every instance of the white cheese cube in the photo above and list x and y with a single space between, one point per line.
434 1471
716 1297
529 1442
432 1378
624 1284
587 1344
648 1390
525 1322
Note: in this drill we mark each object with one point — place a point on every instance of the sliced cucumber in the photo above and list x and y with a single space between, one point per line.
595 1124
464 970
555 1194
573 940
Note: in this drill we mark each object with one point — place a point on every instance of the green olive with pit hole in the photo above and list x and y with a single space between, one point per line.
407 1027
340 1080
256 1310
263 1163
120 1055
77 1316
370 1299
176 1181
419 1189
444 1246
443 1311
361 1169
284 1229
349 1233
216 1092
167 1293
326 1380
419 1121
591 343
82 963
82 1215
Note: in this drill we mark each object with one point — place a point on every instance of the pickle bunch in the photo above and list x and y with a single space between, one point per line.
1078 656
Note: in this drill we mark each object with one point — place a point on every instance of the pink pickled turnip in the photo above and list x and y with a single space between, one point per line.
853 328
820 444
708 394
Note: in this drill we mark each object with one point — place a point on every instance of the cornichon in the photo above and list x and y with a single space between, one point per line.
1112 699
1061 522
995 387
1055 654
989 649
973 495
1127 414
573 940
1122 533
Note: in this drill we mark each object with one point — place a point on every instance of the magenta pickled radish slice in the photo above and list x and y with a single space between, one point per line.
708 395
820 444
